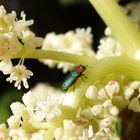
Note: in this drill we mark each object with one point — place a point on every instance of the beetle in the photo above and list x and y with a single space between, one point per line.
73 76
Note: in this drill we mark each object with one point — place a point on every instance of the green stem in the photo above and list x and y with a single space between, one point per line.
121 27
55 55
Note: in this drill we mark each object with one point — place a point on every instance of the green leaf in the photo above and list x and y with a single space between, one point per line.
9 96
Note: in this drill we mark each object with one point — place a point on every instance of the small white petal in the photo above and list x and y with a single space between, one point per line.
17 108
102 94
135 84
92 92
107 103
128 92
112 88
114 111
97 109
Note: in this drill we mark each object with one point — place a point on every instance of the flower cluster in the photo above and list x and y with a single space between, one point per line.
31 120
108 46
42 108
14 37
91 110
75 42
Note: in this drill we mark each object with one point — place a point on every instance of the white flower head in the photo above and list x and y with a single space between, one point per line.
20 74
77 42
108 47
21 25
45 102
112 88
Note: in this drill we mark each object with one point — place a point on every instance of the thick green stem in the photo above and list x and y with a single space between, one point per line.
55 55
121 27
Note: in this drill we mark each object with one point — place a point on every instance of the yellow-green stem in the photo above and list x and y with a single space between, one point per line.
55 55
121 27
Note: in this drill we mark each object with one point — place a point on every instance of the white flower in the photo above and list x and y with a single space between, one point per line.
7 20
6 66
32 119
2 12
21 25
112 88
20 74
114 111
130 89
77 42
9 45
102 95
4 132
41 135
17 108
108 47
92 92
44 101
71 131
135 85
128 92
31 41
97 109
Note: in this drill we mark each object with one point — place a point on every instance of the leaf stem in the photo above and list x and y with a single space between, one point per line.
121 27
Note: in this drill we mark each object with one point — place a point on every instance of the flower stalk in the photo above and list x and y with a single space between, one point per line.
121 27
55 55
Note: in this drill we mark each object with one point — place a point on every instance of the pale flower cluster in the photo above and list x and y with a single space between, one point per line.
108 46
18 73
41 111
15 36
32 118
42 108
75 42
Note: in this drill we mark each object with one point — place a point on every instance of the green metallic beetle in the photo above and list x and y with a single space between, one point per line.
73 76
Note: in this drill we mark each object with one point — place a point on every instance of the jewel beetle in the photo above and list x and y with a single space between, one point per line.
73 76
